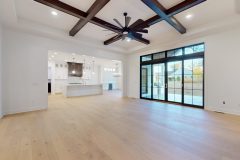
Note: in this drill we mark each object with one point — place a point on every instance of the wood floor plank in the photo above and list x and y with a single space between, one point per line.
108 127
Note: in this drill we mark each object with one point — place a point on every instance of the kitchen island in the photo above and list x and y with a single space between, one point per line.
78 90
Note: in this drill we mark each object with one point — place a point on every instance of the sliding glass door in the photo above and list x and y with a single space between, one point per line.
193 81
146 81
159 81
174 81
174 76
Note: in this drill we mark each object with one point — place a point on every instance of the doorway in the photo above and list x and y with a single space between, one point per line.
177 77
95 71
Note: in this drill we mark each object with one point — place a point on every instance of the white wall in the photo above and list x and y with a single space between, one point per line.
25 68
222 70
0 71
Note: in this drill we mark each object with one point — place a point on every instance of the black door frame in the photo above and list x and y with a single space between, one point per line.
165 61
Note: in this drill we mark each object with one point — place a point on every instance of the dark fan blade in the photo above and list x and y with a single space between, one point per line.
136 34
142 40
113 39
140 30
118 23
110 34
114 27
124 37
138 37
139 21
127 21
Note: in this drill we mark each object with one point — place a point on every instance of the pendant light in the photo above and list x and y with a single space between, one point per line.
93 70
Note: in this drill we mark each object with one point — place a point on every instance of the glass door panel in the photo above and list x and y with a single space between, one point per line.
174 70
146 80
198 82
159 81
188 82
193 81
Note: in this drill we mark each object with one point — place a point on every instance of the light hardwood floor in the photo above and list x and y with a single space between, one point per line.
111 128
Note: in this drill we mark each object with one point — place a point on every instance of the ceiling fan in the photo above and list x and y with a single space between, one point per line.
129 32
133 31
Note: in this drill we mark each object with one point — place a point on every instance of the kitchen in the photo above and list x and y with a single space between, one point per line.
75 75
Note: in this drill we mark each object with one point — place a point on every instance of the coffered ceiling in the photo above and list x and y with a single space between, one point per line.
207 12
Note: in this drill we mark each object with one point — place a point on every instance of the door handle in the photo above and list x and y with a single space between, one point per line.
166 86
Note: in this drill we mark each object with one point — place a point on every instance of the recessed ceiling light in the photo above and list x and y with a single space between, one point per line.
55 53
128 39
54 13
52 56
189 16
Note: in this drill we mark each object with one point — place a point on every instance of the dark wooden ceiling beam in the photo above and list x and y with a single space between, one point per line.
93 10
187 4
159 9
58 5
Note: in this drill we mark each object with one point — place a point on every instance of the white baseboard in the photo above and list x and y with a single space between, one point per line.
214 109
24 110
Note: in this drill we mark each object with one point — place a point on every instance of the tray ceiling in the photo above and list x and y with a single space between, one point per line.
204 13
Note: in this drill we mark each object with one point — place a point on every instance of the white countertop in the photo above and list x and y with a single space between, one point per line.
76 90
76 84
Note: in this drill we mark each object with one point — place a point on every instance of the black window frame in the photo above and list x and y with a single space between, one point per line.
182 57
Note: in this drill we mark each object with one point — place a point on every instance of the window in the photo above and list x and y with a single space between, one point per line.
189 50
173 77
199 48
176 52
170 53
146 58
194 49
159 55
